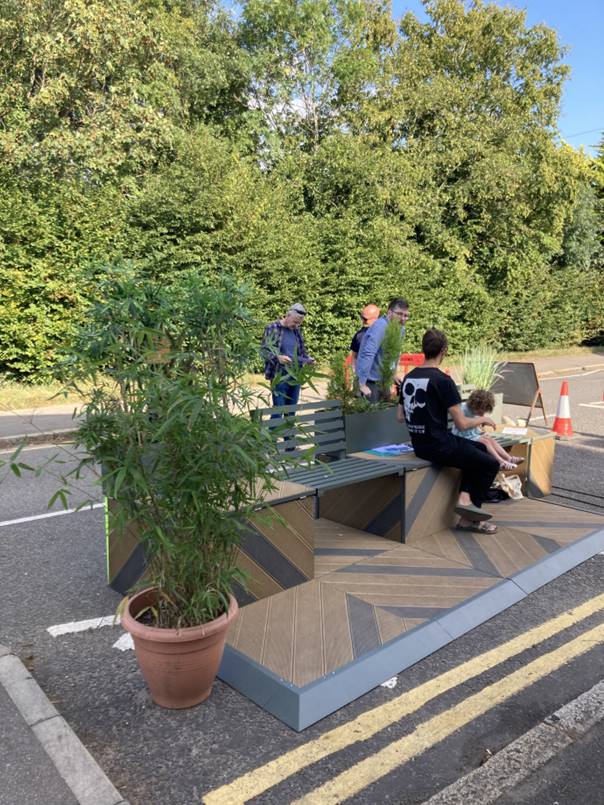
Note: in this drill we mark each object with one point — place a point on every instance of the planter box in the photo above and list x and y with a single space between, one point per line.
373 429
497 415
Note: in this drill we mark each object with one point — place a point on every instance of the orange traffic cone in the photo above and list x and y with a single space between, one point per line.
563 427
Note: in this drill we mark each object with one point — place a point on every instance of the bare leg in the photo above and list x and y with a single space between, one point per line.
507 461
465 500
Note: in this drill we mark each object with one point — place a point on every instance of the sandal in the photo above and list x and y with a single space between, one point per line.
478 528
471 512
507 465
518 460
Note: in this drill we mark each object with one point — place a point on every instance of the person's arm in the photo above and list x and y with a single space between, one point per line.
303 356
369 348
269 349
463 422
400 414
269 345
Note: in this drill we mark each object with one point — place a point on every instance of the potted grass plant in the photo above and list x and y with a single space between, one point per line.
480 368
182 462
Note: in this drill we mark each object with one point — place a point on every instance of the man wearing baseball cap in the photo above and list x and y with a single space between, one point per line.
283 345
369 314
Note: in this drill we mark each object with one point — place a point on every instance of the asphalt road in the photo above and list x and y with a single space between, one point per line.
174 758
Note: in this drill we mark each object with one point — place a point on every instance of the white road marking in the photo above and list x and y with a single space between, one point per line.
568 377
82 626
51 514
125 643
599 405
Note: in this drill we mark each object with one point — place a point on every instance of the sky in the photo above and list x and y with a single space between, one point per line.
580 27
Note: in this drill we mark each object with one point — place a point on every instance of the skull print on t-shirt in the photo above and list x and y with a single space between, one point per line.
427 394
414 397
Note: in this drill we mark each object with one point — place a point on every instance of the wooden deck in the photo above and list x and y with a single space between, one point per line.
376 606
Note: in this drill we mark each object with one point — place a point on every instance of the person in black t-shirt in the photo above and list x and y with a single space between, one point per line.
369 314
427 396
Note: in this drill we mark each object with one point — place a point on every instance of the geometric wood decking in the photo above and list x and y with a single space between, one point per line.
375 607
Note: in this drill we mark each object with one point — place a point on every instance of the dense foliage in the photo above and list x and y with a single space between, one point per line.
314 147
164 364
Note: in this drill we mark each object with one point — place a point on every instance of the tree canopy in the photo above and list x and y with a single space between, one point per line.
315 148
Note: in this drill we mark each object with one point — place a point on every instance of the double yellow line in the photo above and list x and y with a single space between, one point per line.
429 732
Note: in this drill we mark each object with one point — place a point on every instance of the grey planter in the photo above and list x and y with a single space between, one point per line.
373 429
497 414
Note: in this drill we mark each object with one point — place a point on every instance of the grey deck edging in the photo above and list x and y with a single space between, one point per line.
299 707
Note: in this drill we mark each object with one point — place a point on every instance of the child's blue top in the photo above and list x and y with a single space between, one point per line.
473 434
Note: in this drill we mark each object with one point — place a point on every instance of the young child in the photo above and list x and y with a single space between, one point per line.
479 403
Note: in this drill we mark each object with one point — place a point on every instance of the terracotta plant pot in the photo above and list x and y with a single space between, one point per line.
179 665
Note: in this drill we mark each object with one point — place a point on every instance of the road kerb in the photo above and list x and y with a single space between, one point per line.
516 762
44 437
74 763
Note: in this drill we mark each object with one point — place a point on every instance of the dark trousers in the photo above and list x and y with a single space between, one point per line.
285 393
375 395
478 467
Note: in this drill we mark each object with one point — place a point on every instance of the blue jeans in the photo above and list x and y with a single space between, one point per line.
285 394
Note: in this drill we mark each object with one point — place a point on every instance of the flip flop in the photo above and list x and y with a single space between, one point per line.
478 528
471 512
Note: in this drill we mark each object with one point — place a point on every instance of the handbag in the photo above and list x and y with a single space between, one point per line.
510 484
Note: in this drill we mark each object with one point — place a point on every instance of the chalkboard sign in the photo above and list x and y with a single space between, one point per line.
519 385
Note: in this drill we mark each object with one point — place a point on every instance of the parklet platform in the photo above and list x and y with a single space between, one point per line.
356 573
376 607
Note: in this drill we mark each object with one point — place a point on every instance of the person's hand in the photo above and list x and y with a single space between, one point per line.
365 390
486 420
400 416
284 359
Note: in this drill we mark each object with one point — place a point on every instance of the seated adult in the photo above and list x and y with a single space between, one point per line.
427 395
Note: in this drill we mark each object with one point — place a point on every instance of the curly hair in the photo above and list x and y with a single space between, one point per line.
481 400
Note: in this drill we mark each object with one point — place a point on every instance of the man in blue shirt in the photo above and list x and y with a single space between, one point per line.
369 358
283 344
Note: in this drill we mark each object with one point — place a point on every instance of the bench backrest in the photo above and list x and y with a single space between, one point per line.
306 430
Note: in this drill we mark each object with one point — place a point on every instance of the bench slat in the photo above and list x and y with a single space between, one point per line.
324 416
322 404
298 438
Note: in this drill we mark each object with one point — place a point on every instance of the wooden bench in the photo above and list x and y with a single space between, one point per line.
311 440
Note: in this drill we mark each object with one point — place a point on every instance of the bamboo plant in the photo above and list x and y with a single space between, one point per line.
166 421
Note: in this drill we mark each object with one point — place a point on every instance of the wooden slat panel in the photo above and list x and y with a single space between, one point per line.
511 550
120 544
252 633
336 632
289 529
279 644
330 534
541 466
444 544
547 520
309 648
259 582
390 626
430 498
374 505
